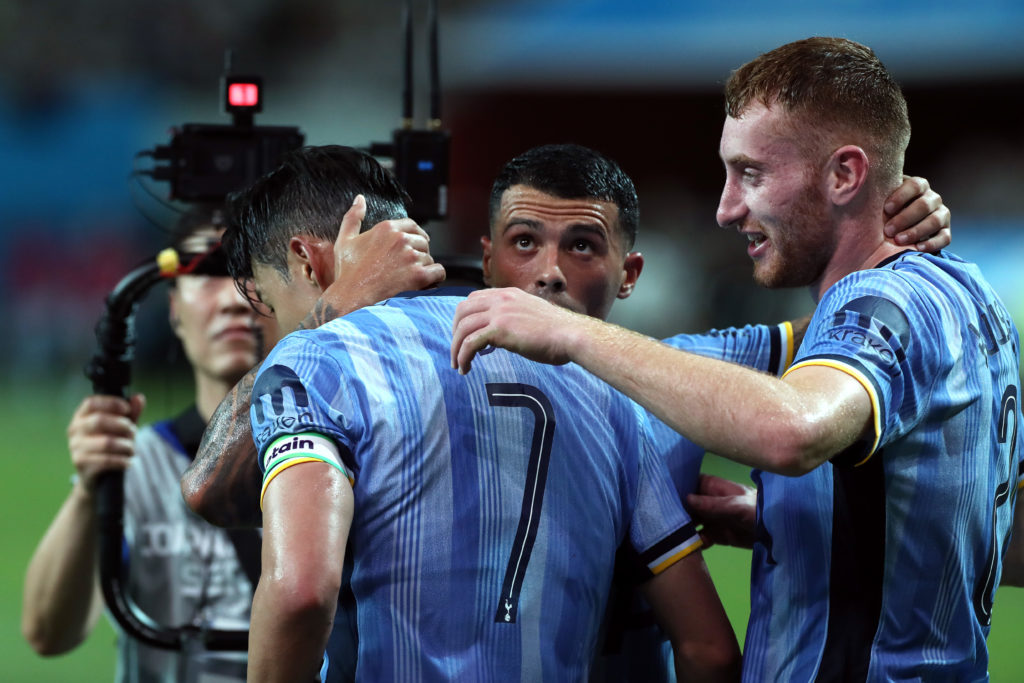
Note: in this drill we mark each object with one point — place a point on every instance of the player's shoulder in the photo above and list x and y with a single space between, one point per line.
298 340
409 308
890 271
429 302
913 269
918 280
907 279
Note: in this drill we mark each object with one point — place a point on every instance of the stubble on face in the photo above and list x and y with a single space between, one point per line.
791 209
801 242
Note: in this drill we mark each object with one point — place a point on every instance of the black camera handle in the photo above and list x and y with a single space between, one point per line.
110 373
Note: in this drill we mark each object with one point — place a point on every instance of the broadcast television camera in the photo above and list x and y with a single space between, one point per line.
205 162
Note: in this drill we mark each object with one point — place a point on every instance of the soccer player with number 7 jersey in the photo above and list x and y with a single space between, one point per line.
563 220
482 515
485 512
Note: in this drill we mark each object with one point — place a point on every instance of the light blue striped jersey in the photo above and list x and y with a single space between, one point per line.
882 564
488 507
768 348
635 649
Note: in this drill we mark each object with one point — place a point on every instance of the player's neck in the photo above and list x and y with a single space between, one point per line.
860 245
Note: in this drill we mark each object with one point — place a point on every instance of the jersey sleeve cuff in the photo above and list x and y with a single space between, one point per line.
684 541
788 349
865 381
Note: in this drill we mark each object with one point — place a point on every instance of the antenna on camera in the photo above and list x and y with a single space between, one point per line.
435 75
420 155
407 74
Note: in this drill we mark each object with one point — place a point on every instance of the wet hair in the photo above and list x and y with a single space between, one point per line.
308 193
572 172
832 86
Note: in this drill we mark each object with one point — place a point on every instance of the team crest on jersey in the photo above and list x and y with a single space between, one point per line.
275 386
279 401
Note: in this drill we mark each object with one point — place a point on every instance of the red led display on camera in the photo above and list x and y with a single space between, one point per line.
243 94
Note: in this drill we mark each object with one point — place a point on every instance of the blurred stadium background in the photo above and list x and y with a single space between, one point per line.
86 86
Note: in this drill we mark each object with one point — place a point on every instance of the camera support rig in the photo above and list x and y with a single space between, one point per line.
110 373
206 162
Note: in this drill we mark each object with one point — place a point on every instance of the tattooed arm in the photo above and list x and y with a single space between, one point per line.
222 484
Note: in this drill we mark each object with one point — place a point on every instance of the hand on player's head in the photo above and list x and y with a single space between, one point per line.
391 257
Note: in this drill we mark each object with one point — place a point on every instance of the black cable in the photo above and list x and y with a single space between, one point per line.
407 75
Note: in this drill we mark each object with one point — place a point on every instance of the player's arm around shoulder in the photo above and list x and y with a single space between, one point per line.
688 609
307 513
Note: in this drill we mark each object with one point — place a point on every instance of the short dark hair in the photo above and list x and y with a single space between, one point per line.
572 172
308 193
833 84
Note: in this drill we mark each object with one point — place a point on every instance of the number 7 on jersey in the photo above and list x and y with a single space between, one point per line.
534 400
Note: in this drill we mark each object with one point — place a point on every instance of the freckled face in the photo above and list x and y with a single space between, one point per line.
773 197
568 251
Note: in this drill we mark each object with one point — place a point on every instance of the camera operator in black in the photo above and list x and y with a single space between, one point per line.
181 569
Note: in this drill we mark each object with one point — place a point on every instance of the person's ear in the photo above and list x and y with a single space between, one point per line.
311 260
485 262
631 269
847 174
